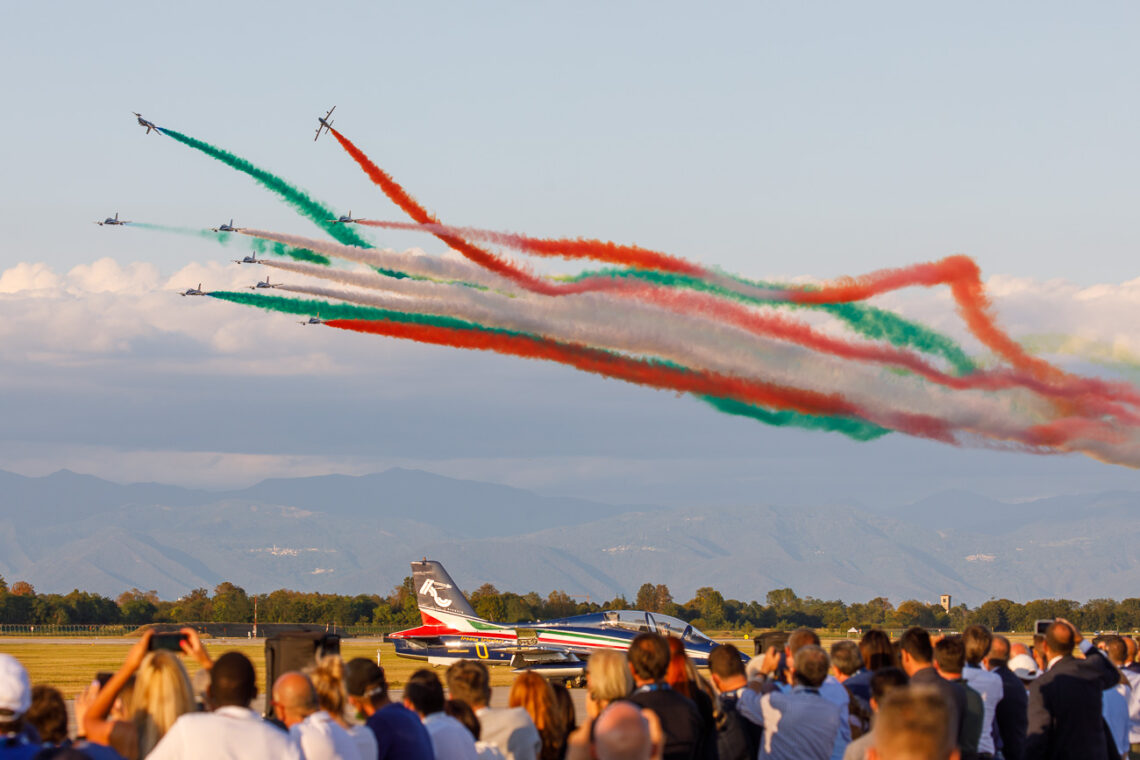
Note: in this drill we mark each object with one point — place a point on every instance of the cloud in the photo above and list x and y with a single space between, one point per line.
29 279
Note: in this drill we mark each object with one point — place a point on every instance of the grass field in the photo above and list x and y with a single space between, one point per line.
70 665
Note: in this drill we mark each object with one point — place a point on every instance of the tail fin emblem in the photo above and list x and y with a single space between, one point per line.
429 589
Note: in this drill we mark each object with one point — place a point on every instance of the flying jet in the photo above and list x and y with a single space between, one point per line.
344 219
148 124
325 123
195 291
557 649
250 259
227 227
114 220
313 321
264 284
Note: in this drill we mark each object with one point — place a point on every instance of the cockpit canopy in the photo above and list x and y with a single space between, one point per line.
666 625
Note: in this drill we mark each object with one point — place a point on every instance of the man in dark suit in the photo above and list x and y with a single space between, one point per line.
1011 717
917 656
680 720
1065 701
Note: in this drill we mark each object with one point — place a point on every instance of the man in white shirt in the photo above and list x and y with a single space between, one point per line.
509 729
231 731
450 739
977 640
319 736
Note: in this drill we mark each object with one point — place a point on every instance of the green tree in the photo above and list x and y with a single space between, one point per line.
231 604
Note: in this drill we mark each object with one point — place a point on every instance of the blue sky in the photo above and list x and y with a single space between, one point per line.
771 139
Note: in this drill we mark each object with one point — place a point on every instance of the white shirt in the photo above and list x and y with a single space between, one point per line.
365 742
450 739
322 738
1133 706
989 686
511 730
228 733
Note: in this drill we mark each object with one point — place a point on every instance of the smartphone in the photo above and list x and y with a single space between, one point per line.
1041 626
171 642
103 676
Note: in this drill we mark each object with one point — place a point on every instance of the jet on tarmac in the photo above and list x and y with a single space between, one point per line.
148 124
114 220
325 123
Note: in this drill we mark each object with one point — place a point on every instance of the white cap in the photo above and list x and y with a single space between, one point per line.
15 690
1024 667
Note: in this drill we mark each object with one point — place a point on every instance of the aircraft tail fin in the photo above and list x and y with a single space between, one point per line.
436 592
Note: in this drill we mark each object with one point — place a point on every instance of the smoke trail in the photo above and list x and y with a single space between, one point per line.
852 428
227 238
311 209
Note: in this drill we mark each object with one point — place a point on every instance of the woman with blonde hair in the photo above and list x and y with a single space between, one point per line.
133 721
327 677
607 678
532 692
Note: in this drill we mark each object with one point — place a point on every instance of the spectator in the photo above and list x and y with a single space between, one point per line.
16 742
648 663
1132 665
877 652
950 661
1025 668
977 640
737 737
161 694
47 714
1065 701
450 740
846 663
682 677
532 692
607 679
800 722
914 724
1010 717
314 730
463 713
1123 698
398 731
567 714
916 654
884 681
622 732
231 730
327 677
509 729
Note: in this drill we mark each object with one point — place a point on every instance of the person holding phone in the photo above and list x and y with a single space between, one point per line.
161 693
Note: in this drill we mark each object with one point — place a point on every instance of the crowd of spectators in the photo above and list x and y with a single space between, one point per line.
967 696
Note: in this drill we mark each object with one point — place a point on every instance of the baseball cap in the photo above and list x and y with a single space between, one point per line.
15 689
1024 667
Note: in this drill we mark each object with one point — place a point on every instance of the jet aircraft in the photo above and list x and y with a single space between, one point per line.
313 321
250 259
559 648
114 220
195 291
148 124
325 123
227 227
344 219
263 284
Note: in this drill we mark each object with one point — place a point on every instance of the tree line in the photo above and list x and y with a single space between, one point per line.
707 610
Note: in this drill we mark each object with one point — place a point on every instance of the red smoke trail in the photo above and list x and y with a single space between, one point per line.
567 248
640 372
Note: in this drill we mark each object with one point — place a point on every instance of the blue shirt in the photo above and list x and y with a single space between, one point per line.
799 724
400 735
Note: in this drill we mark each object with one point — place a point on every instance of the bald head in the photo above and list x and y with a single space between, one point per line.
622 733
294 698
1130 643
1059 639
999 650
1018 648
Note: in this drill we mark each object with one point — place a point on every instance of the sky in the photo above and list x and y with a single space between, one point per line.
775 140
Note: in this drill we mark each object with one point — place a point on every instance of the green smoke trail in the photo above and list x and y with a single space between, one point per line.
314 210
852 428
227 238
868 321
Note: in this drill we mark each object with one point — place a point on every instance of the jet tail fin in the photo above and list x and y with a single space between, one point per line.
437 592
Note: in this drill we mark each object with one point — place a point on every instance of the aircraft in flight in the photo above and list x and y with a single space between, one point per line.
313 321
114 220
344 219
148 124
250 259
195 291
227 227
558 649
264 284
325 123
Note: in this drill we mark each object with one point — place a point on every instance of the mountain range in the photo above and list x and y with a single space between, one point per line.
356 534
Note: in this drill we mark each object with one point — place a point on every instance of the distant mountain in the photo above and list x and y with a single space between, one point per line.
357 534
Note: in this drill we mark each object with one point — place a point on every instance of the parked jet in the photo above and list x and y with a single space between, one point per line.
148 124
227 227
114 220
195 291
344 219
325 123
263 284
452 631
